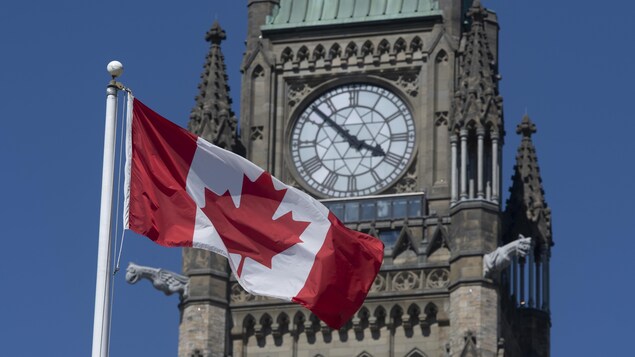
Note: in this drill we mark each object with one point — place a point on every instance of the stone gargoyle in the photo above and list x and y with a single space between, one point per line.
164 280
500 258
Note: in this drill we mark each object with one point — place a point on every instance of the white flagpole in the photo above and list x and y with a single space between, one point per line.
101 321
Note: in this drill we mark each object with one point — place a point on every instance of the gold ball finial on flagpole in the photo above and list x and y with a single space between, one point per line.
115 68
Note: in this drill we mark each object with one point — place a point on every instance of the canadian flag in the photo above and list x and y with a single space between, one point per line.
280 242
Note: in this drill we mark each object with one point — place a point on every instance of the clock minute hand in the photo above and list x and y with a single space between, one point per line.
353 141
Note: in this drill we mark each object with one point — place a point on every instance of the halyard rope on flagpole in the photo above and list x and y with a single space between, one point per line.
122 150
125 113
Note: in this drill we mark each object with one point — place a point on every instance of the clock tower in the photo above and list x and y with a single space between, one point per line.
388 111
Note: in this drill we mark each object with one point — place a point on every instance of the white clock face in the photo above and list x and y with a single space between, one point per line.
353 140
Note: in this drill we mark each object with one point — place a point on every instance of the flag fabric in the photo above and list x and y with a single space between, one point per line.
182 191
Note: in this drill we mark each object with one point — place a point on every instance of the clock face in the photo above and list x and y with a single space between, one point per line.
353 140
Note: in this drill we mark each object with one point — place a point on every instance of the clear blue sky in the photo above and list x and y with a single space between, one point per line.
567 63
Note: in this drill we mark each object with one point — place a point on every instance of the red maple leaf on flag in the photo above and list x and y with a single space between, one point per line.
249 230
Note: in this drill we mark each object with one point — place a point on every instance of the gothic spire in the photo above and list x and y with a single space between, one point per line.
527 201
212 117
477 102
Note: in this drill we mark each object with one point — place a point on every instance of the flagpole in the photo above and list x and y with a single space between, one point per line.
101 320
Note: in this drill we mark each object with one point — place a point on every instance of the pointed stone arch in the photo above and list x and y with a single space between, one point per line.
405 249
299 318
351 50
380 312
441 57
383 47
472 112
469 350
411 318
367 49
439 249
249 324
319 53
400 46
335 51
416 45
396 314
281 326
302 54
286 55
361 319
257 72
430 312
415 352
364 354
264 325
334 54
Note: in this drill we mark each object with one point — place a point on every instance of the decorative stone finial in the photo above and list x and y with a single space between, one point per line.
526 127
216 34
477 12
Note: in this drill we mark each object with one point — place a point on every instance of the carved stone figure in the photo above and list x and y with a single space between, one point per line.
502 257
166 281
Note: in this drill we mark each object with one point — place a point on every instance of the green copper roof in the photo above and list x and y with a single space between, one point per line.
301 13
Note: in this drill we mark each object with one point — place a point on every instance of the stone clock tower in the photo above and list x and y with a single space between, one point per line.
389 112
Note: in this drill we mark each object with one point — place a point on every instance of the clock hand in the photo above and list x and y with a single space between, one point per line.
353 141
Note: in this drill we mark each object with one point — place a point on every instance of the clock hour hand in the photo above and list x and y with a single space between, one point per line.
374 150
353 141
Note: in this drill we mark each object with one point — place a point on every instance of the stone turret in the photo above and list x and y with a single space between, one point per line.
205 318
477 122
212 117
526 283
476 127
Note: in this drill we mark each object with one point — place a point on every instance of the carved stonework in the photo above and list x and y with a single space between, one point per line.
401 49
400 46
500 258
212 117
441 118
476 99
408 182
408 81
196 259
469 350
379 284
416 44
297 92
351 50
391 281
405 280
163 280
438 278
256 133
286 55
238 294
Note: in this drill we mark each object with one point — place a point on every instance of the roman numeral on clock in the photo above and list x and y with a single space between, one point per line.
306 144
393 159
354 98
312 165
394 116
331 106
352 183
399 137
375 176
330 180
